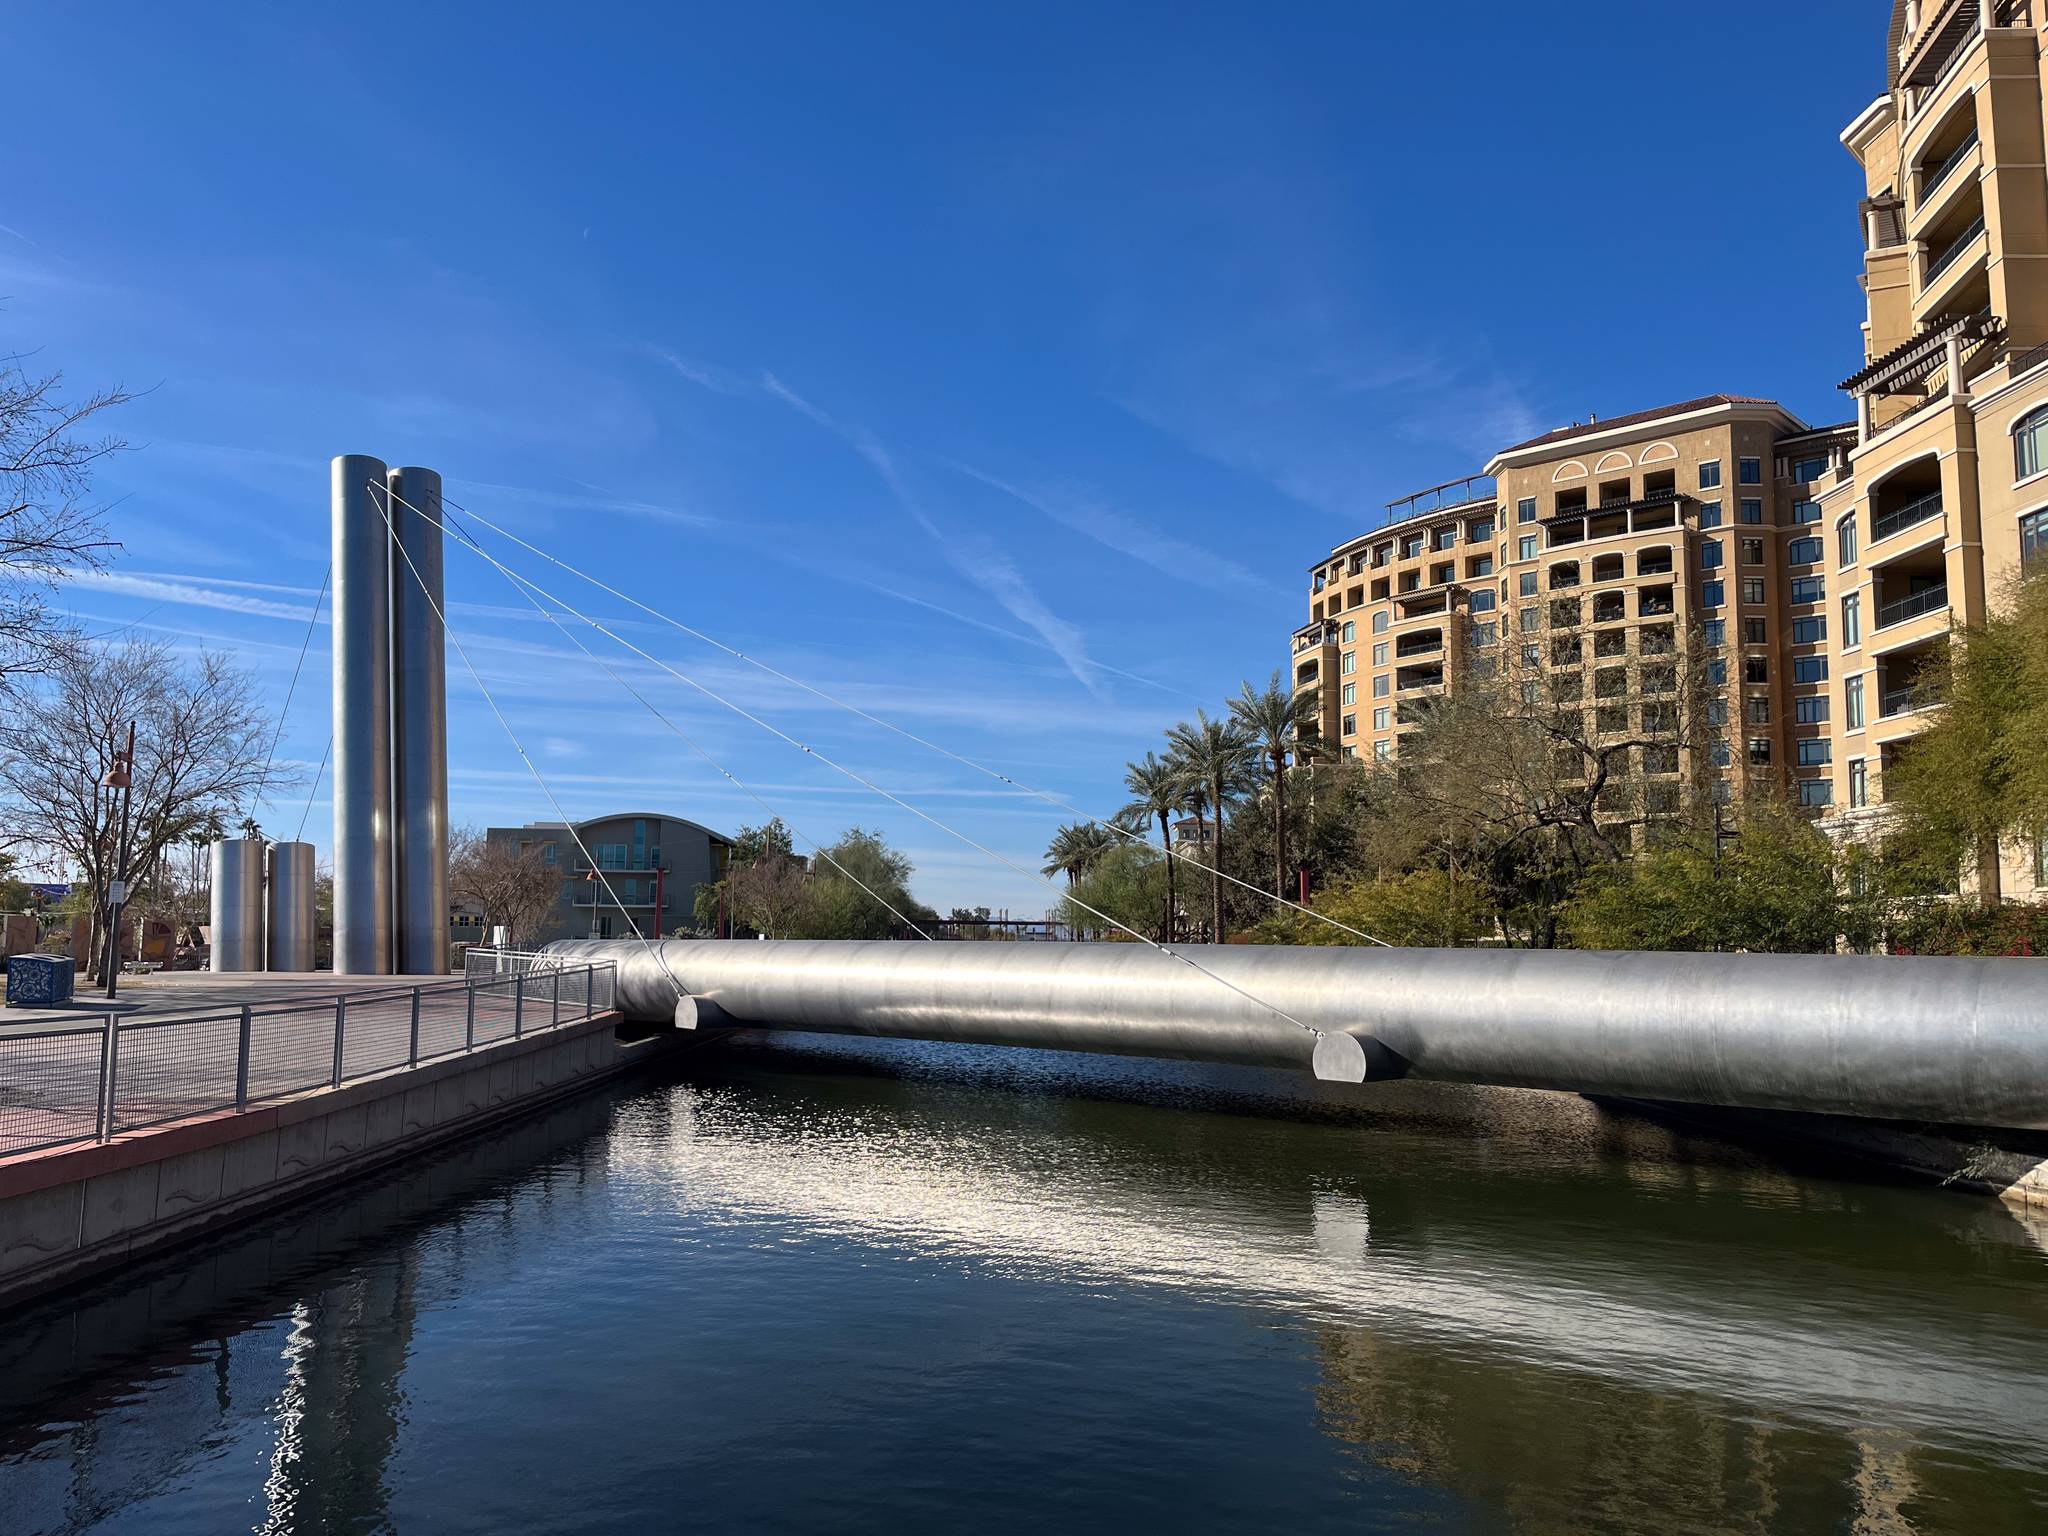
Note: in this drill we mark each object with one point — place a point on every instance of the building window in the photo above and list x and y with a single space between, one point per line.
1383 750
1759 750
1751 510
1380 717
2033 539
1525 510
1485 634
1710 514
1710 474
1379 654
1526 584
1479 530
1710 553
1809 669
1351 725
2030 444
1752 551
1350 630
1411 546
1349 663
1805 511
1815 793
1713 594
1750 471
1852 703
1756 669
1756 632
1859 783
1720 754
1379 622
1380 686
1482 565
1717 672
1447 537
1714 632
1852 620
1526 547
1806 471
1814 753
547 854
1758 710
1350 694
1805 589
1845 541
1811 709
1804 551
1810 630
1531 620
1483 600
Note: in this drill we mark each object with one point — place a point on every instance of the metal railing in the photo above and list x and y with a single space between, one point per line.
1901 609
89 1082
1946 259
1934 177
1467 492
1883 525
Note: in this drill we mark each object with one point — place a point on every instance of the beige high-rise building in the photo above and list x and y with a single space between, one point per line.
1805 580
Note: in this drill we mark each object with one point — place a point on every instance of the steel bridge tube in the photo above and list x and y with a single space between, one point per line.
419 728
362 716
1953 1041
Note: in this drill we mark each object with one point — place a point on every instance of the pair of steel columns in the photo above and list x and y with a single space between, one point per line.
390 722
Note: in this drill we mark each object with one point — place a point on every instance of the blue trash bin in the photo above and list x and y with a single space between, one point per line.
39 981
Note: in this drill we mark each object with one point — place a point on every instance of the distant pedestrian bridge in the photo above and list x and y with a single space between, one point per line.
1948 1041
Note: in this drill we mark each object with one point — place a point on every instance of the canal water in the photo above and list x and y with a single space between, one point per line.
833 1286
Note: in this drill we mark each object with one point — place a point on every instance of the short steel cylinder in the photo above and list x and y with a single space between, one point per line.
237 940
289 913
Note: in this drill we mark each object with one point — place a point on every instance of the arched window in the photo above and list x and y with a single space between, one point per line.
2030 444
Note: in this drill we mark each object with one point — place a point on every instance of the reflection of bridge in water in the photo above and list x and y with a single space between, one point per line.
1577 1318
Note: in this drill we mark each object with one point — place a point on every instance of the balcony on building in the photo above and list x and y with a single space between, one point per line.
1574 522
1417 676
1469 497
1937 178
1909 587
1422 642
1315 634
1610 607
1952 275
1906 500
1910 678
1564 574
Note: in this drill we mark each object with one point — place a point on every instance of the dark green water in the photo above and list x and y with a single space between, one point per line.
852 1286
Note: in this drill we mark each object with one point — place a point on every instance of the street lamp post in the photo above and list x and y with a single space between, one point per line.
121 777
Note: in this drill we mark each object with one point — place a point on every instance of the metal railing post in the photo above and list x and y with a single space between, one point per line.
589 989
412 1055
518 1003
103 1112
340 1029
554 998
469 1021
242 1058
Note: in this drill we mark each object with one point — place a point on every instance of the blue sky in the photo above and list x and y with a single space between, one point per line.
1001 370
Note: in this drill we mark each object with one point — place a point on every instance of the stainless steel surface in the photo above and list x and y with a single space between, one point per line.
288 913
1953 1040
362 718
237 904
419 728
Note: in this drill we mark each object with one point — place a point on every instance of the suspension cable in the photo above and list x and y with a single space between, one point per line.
319 774
519 585
896 800
379 490
277 735
909 735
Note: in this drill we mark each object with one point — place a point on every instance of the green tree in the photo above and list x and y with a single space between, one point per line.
1278 724
1217 756
1424 908
1127 884
1779 886
1978 774
1158 788
836 907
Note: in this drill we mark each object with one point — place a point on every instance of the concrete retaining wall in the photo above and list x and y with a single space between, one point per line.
71 1212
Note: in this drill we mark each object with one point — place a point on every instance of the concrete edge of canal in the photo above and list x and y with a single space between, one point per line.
73 1212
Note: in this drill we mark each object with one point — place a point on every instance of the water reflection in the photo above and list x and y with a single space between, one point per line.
1491 1310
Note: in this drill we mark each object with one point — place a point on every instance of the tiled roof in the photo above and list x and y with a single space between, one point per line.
1684 407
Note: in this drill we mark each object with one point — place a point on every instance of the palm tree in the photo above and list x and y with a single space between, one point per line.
1278 722
1160 791
1216 754
1077 848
